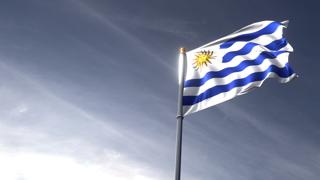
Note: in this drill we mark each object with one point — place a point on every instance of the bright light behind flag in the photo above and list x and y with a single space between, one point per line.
235 64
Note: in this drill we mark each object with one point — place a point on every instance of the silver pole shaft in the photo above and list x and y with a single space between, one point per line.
179 147
182 68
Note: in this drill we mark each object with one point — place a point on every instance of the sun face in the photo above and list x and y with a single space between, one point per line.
203 59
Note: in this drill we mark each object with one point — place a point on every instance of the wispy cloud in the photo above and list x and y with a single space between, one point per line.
175 27
38 166
41 131
85 8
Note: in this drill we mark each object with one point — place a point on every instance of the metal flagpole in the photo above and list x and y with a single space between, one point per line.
182 64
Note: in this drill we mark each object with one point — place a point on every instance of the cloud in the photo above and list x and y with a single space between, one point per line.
86 9
175 27
39 166
43 136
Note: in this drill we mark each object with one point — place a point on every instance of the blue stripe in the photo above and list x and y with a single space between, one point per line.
258 76
225 72
277 44
269 29
274 46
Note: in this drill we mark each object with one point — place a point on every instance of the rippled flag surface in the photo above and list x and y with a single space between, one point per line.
235 64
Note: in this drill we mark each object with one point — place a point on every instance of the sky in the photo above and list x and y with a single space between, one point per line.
88 90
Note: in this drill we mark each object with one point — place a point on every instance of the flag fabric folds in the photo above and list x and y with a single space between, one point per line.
235 64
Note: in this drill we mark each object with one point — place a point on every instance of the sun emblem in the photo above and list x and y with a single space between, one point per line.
203 59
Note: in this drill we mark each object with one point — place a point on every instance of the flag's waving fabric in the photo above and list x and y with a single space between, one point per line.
236 63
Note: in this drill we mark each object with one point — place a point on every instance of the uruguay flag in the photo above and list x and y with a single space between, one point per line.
235 64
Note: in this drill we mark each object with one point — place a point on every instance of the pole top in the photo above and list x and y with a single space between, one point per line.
182 50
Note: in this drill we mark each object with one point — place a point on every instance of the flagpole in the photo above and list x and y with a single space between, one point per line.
182 59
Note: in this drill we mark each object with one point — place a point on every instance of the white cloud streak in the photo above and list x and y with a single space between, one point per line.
131 38
43 136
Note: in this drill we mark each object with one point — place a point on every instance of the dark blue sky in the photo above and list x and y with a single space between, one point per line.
88 90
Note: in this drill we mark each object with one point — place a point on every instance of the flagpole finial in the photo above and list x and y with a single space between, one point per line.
182 50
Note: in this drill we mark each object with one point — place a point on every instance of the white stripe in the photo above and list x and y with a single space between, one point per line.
245 30
217 64
222 97
280 62
264 39
255 52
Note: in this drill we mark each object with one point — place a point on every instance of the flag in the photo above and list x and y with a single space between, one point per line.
235 64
